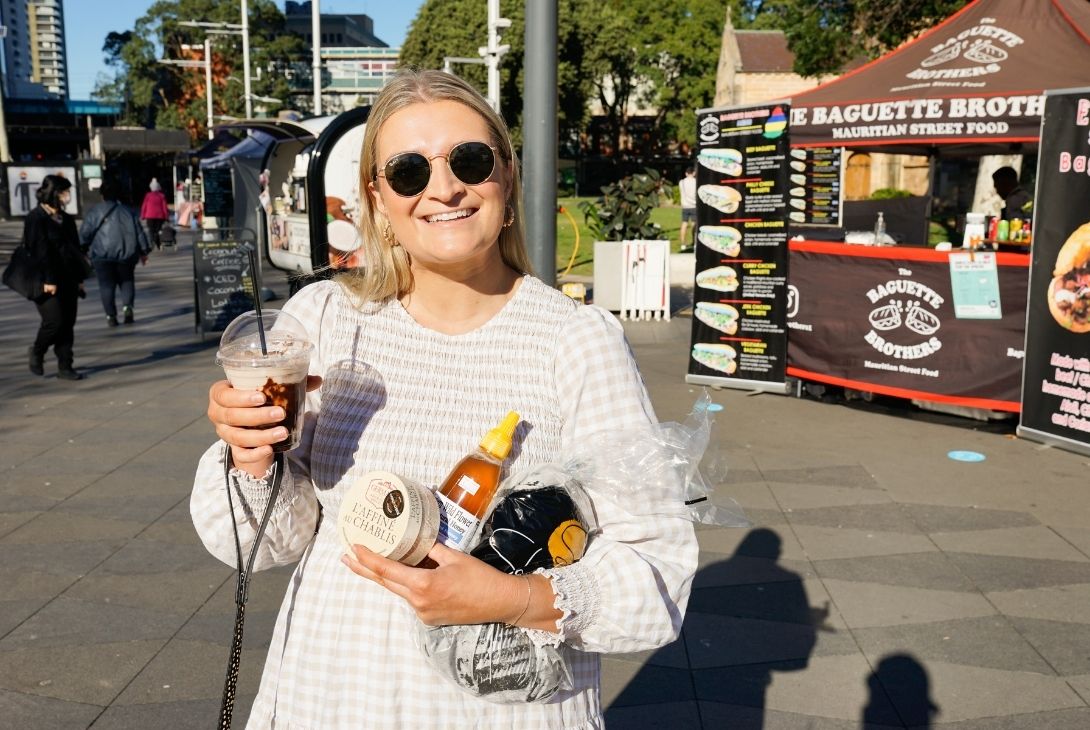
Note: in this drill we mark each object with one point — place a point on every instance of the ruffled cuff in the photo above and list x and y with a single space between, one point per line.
255 491
577 597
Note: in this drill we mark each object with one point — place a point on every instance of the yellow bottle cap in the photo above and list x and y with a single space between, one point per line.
498 441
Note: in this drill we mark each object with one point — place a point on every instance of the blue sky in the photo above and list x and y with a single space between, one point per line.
87 22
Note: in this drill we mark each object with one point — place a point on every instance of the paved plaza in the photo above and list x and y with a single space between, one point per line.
882 584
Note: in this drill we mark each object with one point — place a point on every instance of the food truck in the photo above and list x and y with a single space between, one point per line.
783 289
294 184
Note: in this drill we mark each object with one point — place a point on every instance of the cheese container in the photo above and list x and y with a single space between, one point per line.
392 516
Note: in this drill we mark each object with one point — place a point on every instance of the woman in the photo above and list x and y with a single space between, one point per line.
50 236
116 242
154 211
422 349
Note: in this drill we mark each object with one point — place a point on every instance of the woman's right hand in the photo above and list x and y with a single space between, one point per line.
50 289
240 418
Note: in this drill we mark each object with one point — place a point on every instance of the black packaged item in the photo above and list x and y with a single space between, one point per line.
531 529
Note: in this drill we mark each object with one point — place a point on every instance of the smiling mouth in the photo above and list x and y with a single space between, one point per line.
452 215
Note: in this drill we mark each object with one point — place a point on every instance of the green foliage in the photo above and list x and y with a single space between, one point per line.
825 35
623 213
159 95
889 194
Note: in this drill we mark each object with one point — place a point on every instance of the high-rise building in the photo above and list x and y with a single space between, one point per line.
337 30
35 65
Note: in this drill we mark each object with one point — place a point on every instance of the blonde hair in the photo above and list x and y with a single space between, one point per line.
384 268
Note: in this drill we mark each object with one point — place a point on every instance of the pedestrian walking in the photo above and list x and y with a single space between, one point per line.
445 289
687 188
116 241
49 234
154 211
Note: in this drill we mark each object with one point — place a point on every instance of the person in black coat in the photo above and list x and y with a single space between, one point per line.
49 234
116 241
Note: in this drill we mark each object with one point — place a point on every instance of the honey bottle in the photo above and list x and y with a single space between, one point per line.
466 493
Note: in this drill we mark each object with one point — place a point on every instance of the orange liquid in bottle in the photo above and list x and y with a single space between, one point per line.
467 492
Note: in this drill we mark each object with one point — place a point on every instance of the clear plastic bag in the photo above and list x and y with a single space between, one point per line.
532 525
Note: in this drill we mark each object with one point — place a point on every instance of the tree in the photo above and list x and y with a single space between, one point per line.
825 35
158 95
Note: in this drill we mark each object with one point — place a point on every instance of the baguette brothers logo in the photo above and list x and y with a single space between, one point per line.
709 129
980 51
904 304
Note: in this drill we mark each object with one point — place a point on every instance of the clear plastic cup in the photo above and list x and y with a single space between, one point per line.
280 372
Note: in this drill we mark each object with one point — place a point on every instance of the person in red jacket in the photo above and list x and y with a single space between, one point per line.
154 211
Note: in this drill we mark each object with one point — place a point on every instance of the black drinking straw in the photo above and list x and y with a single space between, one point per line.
257 300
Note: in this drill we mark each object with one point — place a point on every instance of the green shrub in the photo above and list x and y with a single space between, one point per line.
623 213
889 193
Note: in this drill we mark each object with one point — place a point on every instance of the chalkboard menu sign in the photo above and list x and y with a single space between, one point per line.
219 198
223 286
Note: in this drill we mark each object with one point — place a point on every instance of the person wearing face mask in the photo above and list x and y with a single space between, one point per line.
51 239
420 350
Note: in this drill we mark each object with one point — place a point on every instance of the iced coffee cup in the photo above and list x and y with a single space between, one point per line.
275 364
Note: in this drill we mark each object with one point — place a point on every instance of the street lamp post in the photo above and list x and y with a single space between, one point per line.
246 59
207 64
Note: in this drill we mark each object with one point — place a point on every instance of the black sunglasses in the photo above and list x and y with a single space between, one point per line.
408 173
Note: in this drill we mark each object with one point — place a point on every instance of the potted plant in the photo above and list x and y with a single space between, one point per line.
631 255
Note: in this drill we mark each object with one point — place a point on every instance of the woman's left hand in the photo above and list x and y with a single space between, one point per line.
461 590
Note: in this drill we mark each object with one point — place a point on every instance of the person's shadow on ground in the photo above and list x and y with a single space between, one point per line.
901 680
748 618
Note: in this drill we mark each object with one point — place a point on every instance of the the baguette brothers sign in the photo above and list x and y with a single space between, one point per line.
976 79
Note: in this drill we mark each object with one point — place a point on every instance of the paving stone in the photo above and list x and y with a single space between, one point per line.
787 601
1066 646
181 671
629 683
941 518
89 673
869 604
144 508
814 496
831 543
660 716
1003 573
1079 537
67 621
142 557
185 715
20 710
720 716
722 641
989 641
1081 684
1059 603
849 475
66 559
968 693
831 687
727 541
1075 719
1037 542
886 517
720 570
55 527
182 591
916 570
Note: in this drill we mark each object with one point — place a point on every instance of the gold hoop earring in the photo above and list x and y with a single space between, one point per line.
508 216
388 234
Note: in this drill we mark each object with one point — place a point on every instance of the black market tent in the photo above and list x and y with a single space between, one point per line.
971 84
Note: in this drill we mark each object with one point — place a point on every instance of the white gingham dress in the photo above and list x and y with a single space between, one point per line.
403 398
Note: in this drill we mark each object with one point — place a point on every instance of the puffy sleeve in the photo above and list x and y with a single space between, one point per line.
295 515
630 590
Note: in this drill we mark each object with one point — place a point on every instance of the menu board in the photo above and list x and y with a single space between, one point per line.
739 333
222 281
1056 373
814 193
219 199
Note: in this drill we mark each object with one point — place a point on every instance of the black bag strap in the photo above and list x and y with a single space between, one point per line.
242 587
99 227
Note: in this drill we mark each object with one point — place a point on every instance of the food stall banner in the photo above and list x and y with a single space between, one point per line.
977 78
739 335
1056 386
881 319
